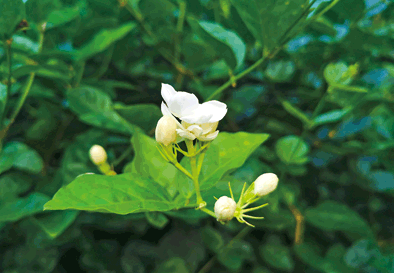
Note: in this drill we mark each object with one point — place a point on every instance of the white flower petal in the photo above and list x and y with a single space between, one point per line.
167 92
185 134
209 137
183 104
195 129
216 108
166 112
197 117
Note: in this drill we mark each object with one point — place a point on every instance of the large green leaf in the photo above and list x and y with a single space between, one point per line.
227 152
11 14
149 162
121 194
277 256
55 222
103 40
226 43
22 207
331 215
270 20
94 107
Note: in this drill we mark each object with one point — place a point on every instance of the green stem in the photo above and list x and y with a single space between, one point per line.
208 211
237 77
179 29
8 49
25 91
195 173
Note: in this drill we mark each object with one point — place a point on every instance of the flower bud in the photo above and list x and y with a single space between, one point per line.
225 208
97 155
265 184
166 130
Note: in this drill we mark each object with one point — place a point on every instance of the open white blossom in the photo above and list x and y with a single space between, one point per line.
265 184
203 132
198 120
225 208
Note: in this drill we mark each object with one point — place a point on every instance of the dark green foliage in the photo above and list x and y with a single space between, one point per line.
312 80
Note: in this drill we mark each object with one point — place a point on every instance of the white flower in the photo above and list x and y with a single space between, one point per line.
225 208
185 106
265 184
203 132
166 130
98 155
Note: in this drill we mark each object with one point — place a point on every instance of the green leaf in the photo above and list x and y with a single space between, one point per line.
20 156
337 73
95 107
173 265
292 150
120 194
13 184
212 239
277 256
226 43
280 71
144 116
103 40
11 14
38 10
157 219
63 16
331 116
333 216
233 255
56 222
22 207
149 162
227 152
270 20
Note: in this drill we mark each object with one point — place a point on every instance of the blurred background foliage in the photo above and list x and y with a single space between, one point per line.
318 76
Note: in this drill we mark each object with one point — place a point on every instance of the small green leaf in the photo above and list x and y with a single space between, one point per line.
277 256
18 155
331 116
226 43
292 150
103 40
156 219
11 14
13 184
212 239
331 215
22 207
3 98
60 17
234 255
94 107
56 222
294 111
173 265
280 71
38 10
120 194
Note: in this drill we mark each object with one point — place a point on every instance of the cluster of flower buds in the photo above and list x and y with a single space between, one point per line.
98 156
226 208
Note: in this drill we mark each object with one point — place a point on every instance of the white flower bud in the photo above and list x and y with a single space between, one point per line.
97 155
265 184
225 208
166 130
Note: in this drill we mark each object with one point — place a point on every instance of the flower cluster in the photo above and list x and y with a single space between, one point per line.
226 208
198 121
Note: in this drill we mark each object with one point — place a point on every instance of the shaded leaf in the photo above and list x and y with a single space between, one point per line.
292 150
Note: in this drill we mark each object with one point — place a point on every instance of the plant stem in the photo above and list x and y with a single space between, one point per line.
208 211
7 45
25 92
